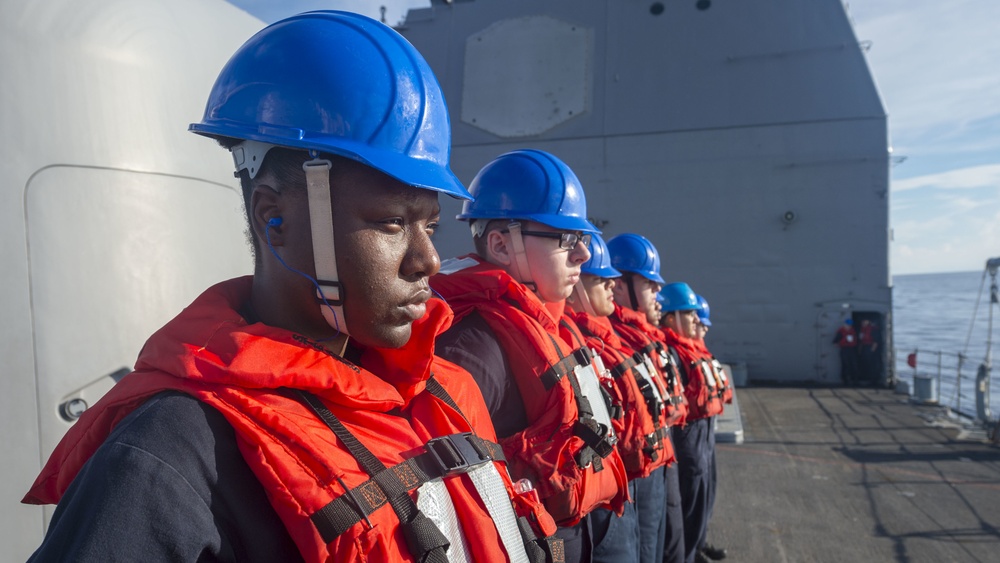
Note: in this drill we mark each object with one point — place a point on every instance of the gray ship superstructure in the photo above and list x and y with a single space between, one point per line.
747 140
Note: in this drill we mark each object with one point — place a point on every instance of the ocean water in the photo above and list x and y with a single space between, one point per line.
932 314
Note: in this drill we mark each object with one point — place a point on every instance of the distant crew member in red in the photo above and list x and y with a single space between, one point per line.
869 360
847 340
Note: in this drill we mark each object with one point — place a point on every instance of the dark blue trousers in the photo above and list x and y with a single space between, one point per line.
693 447
673 540
713 476
651 508
577 541
616 538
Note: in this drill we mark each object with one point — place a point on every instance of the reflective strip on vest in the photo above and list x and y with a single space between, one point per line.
493 493
720 371
590 385
706 373
434 501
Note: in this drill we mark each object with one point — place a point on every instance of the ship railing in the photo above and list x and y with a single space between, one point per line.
951 379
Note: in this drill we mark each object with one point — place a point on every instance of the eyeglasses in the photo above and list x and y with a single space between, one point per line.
567 239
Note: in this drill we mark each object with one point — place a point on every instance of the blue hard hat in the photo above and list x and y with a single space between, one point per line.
529 185
600 260
338 83
678 296
704 312
634 253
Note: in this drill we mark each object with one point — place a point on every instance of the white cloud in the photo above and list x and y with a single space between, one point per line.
986 175
935 62
945 232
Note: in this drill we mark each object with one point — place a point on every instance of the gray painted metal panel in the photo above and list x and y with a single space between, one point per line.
706 129
529 94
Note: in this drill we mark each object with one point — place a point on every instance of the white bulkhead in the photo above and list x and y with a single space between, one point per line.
114 217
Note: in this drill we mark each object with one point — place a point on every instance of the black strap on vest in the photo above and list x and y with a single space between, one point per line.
551 377
681 368
620 368
648 349
539 550
423 537
443 456
599 443
673 373
614 409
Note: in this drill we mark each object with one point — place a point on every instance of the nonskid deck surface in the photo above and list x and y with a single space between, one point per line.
828 474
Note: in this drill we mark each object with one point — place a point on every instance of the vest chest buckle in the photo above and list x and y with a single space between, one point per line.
455 453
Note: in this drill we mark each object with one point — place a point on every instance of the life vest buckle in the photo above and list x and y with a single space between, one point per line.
455 453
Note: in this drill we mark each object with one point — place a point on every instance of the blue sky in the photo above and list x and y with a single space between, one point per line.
937 66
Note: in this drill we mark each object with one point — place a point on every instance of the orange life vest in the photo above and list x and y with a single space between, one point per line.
257 376
647 340
641 442
867 336
725 389
846 337
702 385
573 464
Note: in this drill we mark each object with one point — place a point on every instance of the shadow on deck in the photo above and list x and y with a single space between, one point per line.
828 474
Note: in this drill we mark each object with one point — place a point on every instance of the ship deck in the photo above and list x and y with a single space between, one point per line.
830 474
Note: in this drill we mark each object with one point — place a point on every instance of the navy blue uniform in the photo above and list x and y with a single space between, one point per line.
152 492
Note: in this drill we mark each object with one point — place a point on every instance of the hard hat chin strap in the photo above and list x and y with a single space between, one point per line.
521 269
580 296
631 291
329 292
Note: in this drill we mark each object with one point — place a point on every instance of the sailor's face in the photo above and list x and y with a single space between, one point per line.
702 331
645 296
382 233
554 270
599 292
687 323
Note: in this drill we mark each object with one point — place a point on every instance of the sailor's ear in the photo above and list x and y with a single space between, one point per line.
499 248
266 213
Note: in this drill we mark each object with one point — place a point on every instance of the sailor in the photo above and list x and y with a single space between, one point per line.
726 391
704 323
868 355
586 317
846 340
299 413
694 444
634 319
530 230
